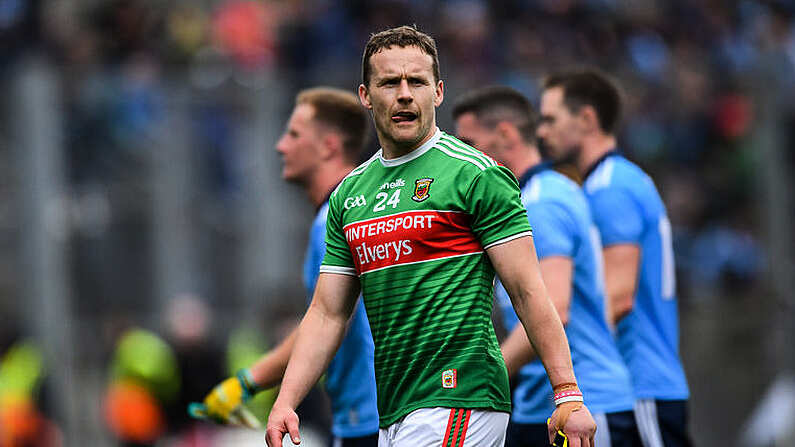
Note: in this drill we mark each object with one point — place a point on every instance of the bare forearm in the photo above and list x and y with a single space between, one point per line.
517 350
556 271
518 268
268 371
620 306
621 273
316 342
545 331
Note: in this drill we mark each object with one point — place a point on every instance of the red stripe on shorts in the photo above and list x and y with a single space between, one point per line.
449 425
466 424
457 425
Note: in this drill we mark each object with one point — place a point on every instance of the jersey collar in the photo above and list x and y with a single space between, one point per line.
528 174
604 157
411 155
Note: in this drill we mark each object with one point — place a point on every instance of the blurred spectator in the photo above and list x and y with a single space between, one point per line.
19 29
22 423
198 356
144 379
246 30
202 360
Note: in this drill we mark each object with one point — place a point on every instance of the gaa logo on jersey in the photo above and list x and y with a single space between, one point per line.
449 378
352 202
422 189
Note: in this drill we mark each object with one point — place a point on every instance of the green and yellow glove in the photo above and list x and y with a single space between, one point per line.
224 404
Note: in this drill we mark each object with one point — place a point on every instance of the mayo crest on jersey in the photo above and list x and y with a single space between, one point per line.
350 379
627 209
419 252
562 225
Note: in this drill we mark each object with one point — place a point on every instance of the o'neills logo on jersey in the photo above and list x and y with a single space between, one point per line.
422 189
409 237
399 183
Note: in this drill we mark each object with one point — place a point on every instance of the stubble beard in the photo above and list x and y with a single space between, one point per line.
398 143
570 155
297 178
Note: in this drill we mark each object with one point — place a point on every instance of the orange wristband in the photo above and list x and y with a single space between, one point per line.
565 386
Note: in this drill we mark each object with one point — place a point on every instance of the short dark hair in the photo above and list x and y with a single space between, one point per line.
402 36
494 104
592 88
342 111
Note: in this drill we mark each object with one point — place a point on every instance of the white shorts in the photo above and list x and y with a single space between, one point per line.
446 427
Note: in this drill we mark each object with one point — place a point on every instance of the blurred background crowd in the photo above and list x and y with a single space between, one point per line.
147 237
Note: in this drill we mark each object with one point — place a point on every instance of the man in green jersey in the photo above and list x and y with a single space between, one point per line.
421 228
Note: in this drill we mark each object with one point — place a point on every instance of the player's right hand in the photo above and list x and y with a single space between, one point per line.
225 400
282 421
575 421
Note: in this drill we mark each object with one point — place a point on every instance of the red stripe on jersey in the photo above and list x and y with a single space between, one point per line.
409 237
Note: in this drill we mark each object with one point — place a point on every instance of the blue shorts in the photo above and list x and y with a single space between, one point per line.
613 430
662 423
363 441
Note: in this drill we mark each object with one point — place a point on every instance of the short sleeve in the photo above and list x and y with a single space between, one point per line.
553 229
318 244
496 208
617 215
338 256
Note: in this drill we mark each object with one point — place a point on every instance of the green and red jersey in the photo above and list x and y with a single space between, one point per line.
414 229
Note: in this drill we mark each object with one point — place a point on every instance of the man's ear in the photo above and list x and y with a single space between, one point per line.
364 97
438 94
589 118
507 131
509 134
332 145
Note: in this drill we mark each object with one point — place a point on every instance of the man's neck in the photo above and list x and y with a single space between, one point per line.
528 158
390 149
320 185
594 147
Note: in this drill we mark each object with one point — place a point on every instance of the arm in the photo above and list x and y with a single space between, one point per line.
620 220
516 263
621 275
268 371
501 224
224 402
556 272
319 335
519 271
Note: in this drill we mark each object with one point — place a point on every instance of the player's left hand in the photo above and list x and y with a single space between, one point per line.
576 422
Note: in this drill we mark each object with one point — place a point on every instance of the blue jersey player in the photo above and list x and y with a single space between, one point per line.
579 113
499 121
325 136
350 378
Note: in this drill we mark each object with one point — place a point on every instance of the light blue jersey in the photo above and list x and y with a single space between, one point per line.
627 209
562 226
350 378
